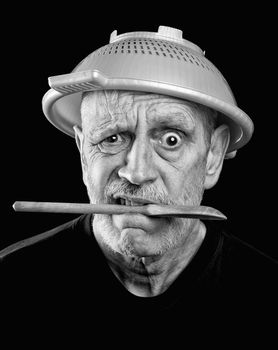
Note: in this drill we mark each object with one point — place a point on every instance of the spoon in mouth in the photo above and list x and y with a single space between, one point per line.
154 210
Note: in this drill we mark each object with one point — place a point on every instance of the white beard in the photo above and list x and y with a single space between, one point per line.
172 235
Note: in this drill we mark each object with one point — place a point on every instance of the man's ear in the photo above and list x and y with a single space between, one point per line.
79 137
219 144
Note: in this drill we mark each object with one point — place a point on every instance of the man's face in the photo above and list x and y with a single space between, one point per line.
138 148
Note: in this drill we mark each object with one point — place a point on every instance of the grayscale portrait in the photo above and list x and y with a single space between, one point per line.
154 125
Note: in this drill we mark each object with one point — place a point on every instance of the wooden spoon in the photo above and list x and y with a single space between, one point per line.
154 210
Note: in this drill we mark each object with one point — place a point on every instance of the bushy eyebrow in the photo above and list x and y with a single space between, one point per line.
170 119
101 131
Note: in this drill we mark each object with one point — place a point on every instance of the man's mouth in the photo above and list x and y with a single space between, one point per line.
130 201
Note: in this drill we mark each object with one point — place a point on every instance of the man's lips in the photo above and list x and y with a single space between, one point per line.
123 199
138 221
134 220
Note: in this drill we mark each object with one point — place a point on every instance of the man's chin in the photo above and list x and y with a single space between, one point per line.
137 242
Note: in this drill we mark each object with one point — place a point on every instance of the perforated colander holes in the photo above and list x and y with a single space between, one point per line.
159 48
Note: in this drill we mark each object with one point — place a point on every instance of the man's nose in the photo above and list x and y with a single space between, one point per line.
139 167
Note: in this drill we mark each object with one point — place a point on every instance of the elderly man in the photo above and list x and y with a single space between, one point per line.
139 148
153 120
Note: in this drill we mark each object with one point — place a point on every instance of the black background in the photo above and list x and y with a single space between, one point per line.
42 164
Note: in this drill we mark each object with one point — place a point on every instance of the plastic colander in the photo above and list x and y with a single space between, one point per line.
161 62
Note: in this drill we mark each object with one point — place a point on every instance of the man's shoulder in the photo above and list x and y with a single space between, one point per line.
241 252
234 249
244 266
55 239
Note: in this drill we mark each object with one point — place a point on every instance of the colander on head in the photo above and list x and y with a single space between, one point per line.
162 63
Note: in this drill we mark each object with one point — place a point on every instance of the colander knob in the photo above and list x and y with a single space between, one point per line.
170 32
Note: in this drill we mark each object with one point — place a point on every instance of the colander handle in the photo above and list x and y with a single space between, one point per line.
230 155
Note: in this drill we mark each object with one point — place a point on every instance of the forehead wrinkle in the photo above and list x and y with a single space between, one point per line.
173 112
99 110
102 109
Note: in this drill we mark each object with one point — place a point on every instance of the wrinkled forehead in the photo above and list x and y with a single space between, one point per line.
106 105
118 99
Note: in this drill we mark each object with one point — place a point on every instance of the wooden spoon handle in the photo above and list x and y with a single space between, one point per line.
76 208
155 210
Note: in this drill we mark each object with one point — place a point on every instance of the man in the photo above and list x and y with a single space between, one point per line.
153 120
139 148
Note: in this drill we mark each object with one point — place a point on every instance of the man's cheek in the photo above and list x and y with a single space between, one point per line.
97 174
188 185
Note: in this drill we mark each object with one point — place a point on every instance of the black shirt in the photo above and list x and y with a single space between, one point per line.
63 275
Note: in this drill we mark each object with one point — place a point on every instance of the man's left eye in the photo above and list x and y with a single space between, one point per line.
170 140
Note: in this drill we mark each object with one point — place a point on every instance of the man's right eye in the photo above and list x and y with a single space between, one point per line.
112 139
114 143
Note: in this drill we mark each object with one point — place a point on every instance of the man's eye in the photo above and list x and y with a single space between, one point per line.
170 140
113 139
114 143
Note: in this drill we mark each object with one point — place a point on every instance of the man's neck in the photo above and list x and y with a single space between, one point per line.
151 276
